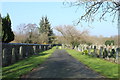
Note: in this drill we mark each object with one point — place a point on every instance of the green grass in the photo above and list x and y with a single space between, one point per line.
26 65
105 68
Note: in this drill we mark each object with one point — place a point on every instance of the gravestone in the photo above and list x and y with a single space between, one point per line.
79 48
105 53
95 52
89 48
117 53
101 52
113 53
98 52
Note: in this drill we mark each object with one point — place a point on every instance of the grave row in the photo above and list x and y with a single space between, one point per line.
100 51
13 52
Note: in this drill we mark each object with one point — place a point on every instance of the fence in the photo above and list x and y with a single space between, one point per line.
13 52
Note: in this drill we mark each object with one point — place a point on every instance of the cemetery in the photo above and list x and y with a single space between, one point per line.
60 40
13 52
92 56
110 53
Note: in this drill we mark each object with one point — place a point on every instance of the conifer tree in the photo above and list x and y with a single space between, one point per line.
45 27
0 28
7 33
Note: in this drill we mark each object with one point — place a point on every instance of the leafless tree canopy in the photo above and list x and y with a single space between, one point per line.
71 35
96 7
29 33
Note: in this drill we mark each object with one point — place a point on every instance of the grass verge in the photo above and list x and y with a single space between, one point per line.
105 68
26 65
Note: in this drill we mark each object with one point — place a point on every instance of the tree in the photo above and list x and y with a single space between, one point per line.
0 28
43 38
95 7
109 42
72 36
7 33
20 34
98 10
27 33
46 29
31 31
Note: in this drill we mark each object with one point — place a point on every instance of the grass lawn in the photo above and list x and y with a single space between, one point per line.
105 68
26 65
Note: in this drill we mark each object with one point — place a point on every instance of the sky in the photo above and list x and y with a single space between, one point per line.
57 13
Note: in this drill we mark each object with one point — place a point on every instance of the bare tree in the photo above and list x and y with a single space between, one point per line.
43 38
101 8
71 34
98 9
27 33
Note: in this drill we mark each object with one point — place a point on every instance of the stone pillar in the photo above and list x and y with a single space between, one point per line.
31 50
34 49
50 46
42 47
4 57
21 52
7 53
13 55
45 47
37 49
17 53
27 51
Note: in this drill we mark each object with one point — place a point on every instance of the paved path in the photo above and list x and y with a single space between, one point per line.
62 65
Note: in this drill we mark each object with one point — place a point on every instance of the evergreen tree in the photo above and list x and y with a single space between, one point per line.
109 42
0 28
45 27
7 33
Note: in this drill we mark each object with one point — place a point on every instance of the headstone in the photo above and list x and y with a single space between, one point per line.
109 52
101 52
94 47
117 53
113 53
89 53
95 52
105 53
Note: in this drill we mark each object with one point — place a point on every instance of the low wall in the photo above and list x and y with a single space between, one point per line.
13 52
